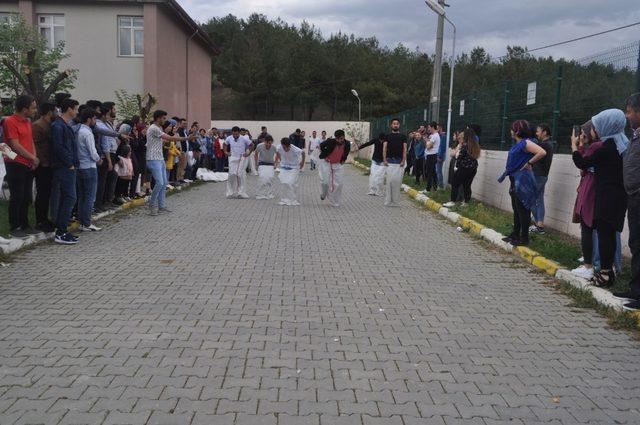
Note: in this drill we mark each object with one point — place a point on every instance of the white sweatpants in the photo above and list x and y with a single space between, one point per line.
265 182
289 180
252 162
376 179
331 178
395 172
236 183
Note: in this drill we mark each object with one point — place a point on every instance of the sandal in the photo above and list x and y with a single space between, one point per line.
604 279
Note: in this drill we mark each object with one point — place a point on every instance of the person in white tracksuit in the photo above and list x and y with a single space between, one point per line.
237 148
291 159
333 154
265 158
394 156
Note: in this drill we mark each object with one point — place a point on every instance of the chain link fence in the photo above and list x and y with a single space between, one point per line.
570 95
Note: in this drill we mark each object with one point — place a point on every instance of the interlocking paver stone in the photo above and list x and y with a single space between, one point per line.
245 312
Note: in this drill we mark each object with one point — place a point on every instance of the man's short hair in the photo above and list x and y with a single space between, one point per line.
68 104
545 127
59 97
235 129
24 102
433 124
159 114
87 113
633 102
263 128
297 130
395 119
95 104
47 107
268 138
338 133
107 106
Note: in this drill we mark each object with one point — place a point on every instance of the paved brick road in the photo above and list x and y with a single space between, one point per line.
310 315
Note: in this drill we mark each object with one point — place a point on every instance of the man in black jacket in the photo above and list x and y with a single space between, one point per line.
376 176
333 154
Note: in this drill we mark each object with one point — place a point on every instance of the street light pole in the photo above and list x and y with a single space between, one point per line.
355 93
439 10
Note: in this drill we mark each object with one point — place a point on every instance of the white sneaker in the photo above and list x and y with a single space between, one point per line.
258 197
243 196
169 187
283 202
188 181
583 272
90 228
294 203
449 204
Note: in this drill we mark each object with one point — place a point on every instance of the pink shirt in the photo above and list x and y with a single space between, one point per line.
335 157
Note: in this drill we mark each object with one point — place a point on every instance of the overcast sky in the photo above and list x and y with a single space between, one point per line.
493 24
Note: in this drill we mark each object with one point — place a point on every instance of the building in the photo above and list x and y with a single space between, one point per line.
136 45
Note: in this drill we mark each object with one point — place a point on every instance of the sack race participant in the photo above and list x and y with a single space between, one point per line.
394 154
291 159
237 148
333 154
378 170
265 164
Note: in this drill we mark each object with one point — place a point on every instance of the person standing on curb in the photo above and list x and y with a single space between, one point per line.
64 161
541 172
631 173
394 157
431 157
87 176
333 154
442 156
43 174
19 137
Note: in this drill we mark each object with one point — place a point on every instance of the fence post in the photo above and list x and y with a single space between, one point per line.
505 114
556 109
638 70
473 107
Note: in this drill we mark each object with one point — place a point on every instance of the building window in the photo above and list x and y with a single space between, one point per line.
51 29
131 35
8 18
462 108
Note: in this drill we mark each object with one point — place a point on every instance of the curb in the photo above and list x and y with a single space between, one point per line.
532 257
11 245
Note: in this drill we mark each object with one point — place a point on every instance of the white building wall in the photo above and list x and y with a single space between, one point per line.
91 38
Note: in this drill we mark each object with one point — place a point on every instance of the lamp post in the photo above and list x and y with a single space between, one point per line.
439 10
355 93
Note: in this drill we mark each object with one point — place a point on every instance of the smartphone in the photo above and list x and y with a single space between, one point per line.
576 130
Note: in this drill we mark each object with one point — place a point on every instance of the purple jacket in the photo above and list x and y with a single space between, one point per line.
586 199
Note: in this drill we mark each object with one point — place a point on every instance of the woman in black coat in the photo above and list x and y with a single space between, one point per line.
611 198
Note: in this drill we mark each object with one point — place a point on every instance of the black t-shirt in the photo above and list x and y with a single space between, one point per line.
395 141
542 167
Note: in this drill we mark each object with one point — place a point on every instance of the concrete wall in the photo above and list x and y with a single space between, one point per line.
560 193
280 129
167 67
91 38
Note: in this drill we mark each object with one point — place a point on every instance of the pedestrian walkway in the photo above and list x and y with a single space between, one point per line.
245 312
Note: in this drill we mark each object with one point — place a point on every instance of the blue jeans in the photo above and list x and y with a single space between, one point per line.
87 186
64 180
538 209
617 262
439 166
219 165
159 172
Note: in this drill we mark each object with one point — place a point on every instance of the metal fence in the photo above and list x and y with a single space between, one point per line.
571 94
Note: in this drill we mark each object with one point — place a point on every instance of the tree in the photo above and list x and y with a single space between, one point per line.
135 104
29 66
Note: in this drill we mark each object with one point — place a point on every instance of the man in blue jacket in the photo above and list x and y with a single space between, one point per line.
64 162
442 156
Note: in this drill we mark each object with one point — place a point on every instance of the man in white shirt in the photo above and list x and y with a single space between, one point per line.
431 156
291 159
238 148
314 144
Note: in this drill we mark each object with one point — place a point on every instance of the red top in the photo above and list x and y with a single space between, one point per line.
217 147
335 157
19 128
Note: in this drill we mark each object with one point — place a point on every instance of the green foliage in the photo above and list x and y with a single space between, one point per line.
135 104
28 66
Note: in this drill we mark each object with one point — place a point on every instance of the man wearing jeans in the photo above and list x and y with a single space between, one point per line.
541 171
64 162
631 173
442 156
88 158
156 164
18 135
43 174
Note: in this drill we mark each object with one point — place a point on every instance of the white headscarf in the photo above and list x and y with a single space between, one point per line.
610 124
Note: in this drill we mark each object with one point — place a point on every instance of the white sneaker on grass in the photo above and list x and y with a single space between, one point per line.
449 204
90 228
583 272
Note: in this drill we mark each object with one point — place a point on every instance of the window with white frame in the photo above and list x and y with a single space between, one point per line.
531 93
51 29
131 35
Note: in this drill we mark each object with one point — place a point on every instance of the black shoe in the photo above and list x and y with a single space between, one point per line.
628 295
604 279
632 306
30 230
519 242
65 238
18 233
508 239
45 227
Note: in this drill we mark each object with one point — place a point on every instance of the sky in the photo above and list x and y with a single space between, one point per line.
492 24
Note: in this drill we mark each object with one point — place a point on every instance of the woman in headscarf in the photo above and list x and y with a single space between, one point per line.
521 157
610 202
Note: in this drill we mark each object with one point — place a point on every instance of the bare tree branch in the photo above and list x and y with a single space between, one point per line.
16 74
54 84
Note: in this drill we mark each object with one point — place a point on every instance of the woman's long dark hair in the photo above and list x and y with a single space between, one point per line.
471 142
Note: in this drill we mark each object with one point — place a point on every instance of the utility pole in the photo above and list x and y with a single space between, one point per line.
436 82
